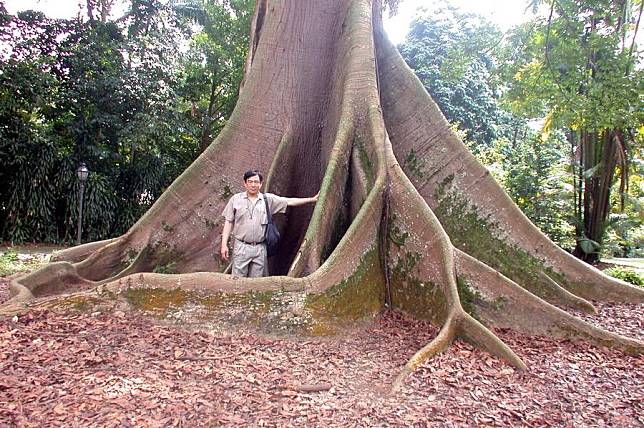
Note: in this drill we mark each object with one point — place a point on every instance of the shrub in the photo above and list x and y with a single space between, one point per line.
11 262
626 274
8 261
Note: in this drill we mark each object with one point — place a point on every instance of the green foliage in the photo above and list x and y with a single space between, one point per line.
456 55
8 262
625 237
577 66
122 96
625 229
626 274
213 66
534 173
11 262
575 72
452 53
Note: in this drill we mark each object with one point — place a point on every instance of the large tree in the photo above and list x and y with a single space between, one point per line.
328 103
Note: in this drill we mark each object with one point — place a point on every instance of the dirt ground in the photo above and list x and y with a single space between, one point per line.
131 369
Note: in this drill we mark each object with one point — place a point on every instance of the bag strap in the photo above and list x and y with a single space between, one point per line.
268 210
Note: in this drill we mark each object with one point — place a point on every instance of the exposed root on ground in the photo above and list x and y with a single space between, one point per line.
501 302
79 252
441 342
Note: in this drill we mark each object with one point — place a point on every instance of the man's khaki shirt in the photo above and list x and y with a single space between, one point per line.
249 217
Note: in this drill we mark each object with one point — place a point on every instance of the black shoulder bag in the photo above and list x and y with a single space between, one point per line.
271 235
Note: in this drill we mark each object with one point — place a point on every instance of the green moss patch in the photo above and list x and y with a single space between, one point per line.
395 233
414 165
165 257
468 296
361 295
157 301
477 236
365 161
226 192
79 303
421 299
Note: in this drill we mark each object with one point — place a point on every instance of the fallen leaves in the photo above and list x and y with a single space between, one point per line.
129 370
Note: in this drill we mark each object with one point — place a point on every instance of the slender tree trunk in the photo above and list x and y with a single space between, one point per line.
599 165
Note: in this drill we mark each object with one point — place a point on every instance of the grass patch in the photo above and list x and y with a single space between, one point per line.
11 262
626 274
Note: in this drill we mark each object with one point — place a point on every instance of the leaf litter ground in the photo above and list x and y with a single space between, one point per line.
130 369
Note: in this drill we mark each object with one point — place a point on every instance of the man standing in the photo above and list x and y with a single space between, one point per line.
245 215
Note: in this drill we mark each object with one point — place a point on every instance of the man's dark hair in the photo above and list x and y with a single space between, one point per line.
253 173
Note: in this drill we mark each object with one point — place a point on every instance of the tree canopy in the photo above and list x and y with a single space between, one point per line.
577 66
131 97
497 88
452 53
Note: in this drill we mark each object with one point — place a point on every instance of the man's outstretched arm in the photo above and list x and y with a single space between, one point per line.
293 202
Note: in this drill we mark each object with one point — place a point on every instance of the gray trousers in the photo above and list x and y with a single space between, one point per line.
249 260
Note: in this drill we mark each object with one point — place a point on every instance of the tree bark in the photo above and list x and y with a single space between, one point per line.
328 103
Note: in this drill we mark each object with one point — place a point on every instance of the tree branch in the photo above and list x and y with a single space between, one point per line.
630 50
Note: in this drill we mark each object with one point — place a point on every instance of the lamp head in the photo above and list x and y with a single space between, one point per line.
82 172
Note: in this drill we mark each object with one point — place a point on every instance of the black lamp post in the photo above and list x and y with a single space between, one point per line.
82 172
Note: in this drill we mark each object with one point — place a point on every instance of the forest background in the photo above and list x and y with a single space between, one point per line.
552 107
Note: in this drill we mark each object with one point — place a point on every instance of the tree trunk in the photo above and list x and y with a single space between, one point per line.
406 214
598 164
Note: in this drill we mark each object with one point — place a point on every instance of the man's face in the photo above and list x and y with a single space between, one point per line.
252 185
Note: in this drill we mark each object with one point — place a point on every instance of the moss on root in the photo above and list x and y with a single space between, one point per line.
166 257
226 192
415 165
365 161
472 298
395 233
277 312
421 299
477 236
468 296
210 225
267 311
360 296
131 255
157 301
84 304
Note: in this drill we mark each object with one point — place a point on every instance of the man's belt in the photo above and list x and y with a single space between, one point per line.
250 243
